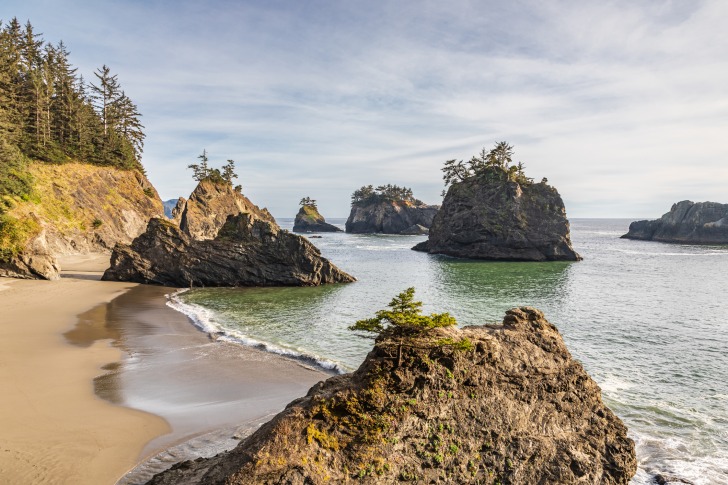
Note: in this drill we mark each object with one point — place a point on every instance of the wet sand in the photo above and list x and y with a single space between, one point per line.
53 428
77 354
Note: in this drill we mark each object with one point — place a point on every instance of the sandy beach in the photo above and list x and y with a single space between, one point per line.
104 376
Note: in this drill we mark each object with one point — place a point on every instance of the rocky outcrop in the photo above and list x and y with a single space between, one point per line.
75 209
309 219
687 222
389 217
492 217
209 206
494 404
246 251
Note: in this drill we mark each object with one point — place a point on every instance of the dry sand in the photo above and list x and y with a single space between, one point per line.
53 428
57 363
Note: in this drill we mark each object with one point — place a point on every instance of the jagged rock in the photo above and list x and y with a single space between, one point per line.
493 404
389 217
78 209
247 251
209 206
687 222
490 217
308 219
169 205
177 210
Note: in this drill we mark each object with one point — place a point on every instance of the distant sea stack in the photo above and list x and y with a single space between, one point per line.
246 248
309 219
687 222
492 211
388 209
493 404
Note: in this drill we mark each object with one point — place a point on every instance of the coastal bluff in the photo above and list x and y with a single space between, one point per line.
492 215
74 208
309 219
502 403
687 222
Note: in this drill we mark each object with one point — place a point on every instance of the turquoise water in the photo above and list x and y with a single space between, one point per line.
649 321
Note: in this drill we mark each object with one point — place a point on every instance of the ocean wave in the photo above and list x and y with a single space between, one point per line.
204 319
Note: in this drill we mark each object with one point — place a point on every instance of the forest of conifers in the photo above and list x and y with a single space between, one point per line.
50 113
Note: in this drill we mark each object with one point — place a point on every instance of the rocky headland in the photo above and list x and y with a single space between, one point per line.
309 219
388 210
687 222
247 248
74 208
492 211
493 404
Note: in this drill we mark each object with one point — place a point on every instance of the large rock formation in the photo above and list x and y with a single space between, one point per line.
494 404
75 209
209 206
308 219
390 217
247 251
490 216
687 222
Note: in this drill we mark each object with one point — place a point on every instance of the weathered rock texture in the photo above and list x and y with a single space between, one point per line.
247 251
308 219
500 404
687 222
490 217
209 206
389 217
76 209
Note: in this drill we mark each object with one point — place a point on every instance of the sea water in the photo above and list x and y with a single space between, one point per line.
649 322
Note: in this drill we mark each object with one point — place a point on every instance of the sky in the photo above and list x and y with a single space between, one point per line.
622 105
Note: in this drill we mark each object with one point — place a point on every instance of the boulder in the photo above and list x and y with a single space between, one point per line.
491 217
309 219
687 222
493 404
247 251
389 217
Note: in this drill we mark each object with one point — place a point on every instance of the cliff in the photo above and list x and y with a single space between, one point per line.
687 222
308 219
497 404
73 209
247 251
490 216
209 206
390 217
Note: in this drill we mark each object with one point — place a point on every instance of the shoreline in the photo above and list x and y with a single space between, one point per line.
54 428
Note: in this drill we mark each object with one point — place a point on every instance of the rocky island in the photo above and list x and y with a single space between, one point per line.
388 209
308 218
492 211
432 403
687 222
218 237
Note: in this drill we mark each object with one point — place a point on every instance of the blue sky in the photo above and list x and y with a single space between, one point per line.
622 105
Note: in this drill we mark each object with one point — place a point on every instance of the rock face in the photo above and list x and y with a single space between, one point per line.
308 219
494 404
389 217
687 222
209 206
247 251
490 217
78 209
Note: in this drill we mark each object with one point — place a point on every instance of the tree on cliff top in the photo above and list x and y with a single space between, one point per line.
307 202
202 171
368 194
498 159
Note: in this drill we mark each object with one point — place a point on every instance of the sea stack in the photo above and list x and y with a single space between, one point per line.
388 209
247 248
492 211
687 222
309 219
492 404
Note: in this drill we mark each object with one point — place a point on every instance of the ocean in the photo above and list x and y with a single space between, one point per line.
649 322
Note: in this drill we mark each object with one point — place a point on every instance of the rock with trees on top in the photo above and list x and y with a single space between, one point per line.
388 209
309 219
